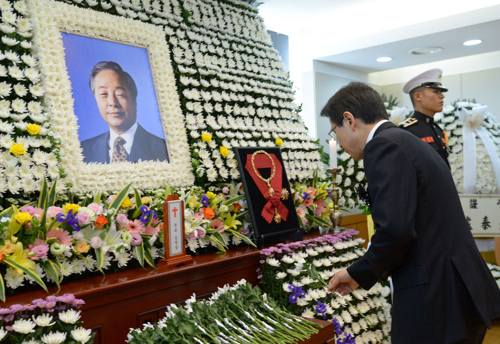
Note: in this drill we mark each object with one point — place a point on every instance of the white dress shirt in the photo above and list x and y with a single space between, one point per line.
128 136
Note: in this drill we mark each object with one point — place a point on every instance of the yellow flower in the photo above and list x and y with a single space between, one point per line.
322 194
8 248
17 149
146 200
279 142
230 222
211 195
224 151
20 256
33 128
69 206
82 247
127 203
206 137
23 218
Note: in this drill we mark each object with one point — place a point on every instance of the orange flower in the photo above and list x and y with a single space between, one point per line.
1 255
237 207
208 213
100 222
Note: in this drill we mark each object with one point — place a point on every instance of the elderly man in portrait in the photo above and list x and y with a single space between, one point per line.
116 95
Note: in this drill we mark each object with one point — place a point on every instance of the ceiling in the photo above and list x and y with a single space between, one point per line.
354 33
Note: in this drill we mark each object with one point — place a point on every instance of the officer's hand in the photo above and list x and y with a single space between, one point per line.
342 283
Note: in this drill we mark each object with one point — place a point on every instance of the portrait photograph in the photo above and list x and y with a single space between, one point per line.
115 101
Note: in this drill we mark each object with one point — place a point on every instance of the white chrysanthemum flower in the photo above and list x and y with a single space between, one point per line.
7 29
36 90
281 275
9 41
32 74
70 316
273 262
12 278
6 127
19 105
44 320
24 326
54 338
5 89
20 90
35 108
16 73
308 313
81 335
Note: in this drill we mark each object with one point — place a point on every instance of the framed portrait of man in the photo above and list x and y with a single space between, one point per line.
115 101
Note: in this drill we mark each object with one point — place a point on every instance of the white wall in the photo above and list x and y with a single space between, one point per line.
483 86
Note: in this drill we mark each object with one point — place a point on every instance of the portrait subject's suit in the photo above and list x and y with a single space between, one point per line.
146 146
441 283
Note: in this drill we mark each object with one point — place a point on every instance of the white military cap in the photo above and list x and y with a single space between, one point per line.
430 79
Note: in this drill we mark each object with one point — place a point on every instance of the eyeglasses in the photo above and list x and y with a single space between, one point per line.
332 133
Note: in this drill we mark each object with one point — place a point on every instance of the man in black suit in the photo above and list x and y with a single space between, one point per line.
443 290
116 95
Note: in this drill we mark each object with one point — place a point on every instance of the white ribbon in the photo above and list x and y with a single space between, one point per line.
398 115
472 124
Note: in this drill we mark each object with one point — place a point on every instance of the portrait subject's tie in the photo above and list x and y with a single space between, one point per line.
119 152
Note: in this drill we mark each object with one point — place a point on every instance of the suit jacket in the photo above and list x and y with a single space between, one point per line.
441 283
146 146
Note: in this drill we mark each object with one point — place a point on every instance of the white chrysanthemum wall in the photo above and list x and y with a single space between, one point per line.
220 84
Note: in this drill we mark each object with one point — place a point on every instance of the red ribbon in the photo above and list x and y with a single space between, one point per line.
273 202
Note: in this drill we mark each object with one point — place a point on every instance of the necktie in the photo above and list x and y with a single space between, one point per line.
119 152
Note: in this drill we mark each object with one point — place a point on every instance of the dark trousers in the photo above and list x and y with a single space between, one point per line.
476 335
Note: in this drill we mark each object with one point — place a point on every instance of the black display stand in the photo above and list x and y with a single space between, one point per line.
267 233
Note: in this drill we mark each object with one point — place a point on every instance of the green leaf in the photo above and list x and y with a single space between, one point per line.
120 197
241 236
139 251
318 220
27 271
138 204
218 239
149 258
7 213
51 200
2 289
97 198
242 214
99 256
53 271
43 194
235 199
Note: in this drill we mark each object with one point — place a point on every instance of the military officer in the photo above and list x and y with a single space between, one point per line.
426 93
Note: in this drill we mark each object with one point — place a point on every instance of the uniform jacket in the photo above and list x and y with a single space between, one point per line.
146 146
425 128
424 242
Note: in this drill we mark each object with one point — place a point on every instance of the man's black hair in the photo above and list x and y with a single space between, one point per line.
360 100
115 67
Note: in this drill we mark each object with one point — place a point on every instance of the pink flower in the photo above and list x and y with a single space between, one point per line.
61 235
83 218
28 209
53 211
111 198
217 224
225 189
96 242
136 239
193 234
38 213
318 211
96 208
301 210
122 220
152 230
197 215
201 233
136 226
40 248
308 202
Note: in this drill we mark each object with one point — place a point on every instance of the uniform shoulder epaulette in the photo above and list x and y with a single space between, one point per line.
407 122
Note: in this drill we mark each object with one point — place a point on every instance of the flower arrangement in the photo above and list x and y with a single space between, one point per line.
238 314
450 121
45 243
313 204
53 320
286 264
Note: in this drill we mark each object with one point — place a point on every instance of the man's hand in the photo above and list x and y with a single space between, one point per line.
342 283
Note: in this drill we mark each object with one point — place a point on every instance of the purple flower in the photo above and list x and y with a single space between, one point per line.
346 340
321 309
297 292
147 214
305 195
69 219
17 308
4 311
204 201
337 327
